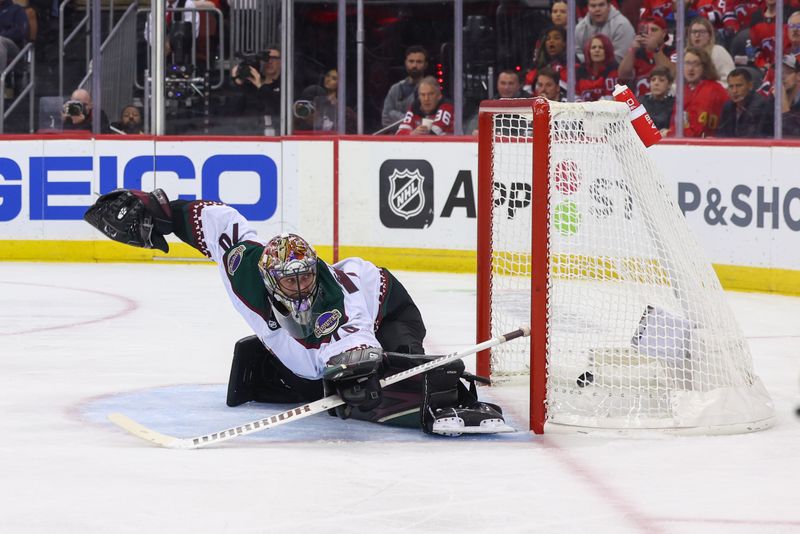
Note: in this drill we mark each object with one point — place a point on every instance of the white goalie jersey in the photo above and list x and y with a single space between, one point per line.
348 304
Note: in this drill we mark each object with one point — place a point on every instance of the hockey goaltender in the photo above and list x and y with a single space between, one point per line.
319 328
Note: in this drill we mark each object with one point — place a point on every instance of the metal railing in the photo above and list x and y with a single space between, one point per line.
62 42
254 24
28 53
220 28
117 55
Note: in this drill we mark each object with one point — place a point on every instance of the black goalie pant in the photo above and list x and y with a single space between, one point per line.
259 375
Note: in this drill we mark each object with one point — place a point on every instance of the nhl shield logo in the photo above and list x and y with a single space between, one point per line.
406 195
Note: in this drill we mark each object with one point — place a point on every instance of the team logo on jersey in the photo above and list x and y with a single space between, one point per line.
327 322
235 259
406 190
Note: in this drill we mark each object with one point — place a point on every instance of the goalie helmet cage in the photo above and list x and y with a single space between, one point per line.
577 236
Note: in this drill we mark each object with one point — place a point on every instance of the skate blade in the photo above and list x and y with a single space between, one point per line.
454 426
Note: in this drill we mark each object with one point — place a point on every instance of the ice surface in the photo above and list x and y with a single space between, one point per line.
154 341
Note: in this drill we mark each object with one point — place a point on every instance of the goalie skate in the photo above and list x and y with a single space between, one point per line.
481 418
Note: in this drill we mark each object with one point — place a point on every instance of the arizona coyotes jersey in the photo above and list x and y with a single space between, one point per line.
350 296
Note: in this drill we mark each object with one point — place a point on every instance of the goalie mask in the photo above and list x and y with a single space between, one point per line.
289 269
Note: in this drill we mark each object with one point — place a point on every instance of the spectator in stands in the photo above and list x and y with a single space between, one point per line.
33 19
790 99
130 122
606 19
181 28
736 15
703 95
658 102
793 27
547 84
260 95
508 86
326 107
558 14
659 8
78 113
747 113
713 12
13 31
401 94
558 19
429 113
648 50
597 76
762 35
701 35
551 53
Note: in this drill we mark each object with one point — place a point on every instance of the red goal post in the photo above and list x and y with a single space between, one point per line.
578 237
539 249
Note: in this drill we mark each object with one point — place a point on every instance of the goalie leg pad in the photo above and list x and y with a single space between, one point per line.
258 375
432 399
450 409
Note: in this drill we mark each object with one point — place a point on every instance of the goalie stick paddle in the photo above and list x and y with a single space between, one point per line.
300 412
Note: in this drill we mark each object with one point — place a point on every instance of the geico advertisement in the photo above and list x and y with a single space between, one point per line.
408 195
51 183
742 203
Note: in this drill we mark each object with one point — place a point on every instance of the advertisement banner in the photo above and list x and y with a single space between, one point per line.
408 195
47 185
403 203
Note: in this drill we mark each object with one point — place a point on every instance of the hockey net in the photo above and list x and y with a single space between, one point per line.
578 238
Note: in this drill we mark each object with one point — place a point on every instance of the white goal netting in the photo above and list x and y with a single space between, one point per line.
640 334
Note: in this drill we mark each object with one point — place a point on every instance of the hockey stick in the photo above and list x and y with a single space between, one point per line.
300 412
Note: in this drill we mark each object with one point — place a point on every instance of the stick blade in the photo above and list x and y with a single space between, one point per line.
147 434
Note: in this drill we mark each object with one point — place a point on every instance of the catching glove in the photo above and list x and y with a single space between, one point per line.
133 217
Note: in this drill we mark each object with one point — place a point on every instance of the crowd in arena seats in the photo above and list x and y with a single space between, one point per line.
14 31
728 89
728 60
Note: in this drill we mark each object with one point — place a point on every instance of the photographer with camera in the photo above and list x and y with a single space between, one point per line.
259 78
130 123
77 113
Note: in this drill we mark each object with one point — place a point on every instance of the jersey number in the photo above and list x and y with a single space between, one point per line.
226 242
443 116
350 329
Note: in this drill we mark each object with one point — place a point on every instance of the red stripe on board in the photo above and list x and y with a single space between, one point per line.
762 143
